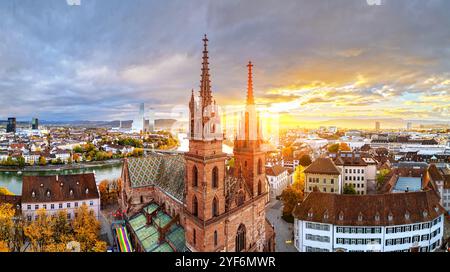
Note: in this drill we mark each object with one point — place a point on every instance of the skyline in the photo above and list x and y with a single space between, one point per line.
54 57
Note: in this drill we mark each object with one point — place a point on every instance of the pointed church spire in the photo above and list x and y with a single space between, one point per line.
205 83
250 98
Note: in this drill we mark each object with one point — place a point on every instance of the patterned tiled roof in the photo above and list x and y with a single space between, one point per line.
165 171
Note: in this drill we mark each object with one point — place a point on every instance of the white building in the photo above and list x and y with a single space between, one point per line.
278 178
356 171
441 177
55 193
386 223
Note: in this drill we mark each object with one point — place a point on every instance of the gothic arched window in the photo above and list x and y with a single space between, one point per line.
194 237
194 206
259 167
216 238
215 177
240 238
195 176
215 207
259 188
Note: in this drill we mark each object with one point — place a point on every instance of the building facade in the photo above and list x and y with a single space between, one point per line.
371 223
278 178
56 193
322 175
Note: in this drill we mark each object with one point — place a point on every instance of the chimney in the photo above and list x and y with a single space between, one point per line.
57 178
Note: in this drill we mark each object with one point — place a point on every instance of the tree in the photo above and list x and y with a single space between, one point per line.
305 160
21 161
42 161
288 152
349 190
40 231
4 247
86 229
291 197
381 177
5 191
299 178
78 149
334 148
344 147
62 230
76 157
7 213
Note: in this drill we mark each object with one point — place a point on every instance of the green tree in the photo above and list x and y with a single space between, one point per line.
305 160
21 161
381 177
349 190
290 197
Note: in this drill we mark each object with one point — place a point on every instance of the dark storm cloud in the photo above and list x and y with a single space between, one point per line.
101 59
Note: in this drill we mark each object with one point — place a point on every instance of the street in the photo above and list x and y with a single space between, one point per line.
283 230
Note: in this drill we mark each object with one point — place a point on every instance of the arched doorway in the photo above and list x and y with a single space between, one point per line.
240 239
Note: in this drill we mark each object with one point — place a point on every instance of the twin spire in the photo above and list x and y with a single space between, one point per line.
205 82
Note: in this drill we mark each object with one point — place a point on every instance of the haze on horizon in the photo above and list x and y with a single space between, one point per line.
314 60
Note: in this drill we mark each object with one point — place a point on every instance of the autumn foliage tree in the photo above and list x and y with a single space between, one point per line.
291 197
86 229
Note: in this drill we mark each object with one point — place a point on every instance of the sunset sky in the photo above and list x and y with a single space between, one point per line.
314 59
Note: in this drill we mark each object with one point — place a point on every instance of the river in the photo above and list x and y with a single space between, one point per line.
13 180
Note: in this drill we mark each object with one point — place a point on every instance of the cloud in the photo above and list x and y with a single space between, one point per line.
102 58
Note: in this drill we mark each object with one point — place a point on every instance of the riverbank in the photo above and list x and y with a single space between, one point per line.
63 167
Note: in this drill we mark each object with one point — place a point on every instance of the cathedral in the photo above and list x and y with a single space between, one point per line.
194 202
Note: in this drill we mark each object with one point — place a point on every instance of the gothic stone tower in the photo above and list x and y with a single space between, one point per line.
222 212
205 169
249 158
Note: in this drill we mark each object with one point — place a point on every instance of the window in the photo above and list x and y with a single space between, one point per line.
36 207
52 206
91 203
215 177
215 207
76 204
29 217
28 207
332 181
259 187
324 181
259 167
45 206
240 239
194 206
194 237
332 190
60 205
215 238
68 205
69 216
195 176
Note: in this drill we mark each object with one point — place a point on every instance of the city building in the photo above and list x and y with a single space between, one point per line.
278 178
356 172
61 192
11 125
384 223
35 124
219 209
324 176
377 126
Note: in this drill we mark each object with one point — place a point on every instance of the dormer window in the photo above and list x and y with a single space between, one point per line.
436 208
360 217
33 194
71 192
310 213
390 217
87 191
425 213
62 184
377 217
407 216
341 216
325 215
48 193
